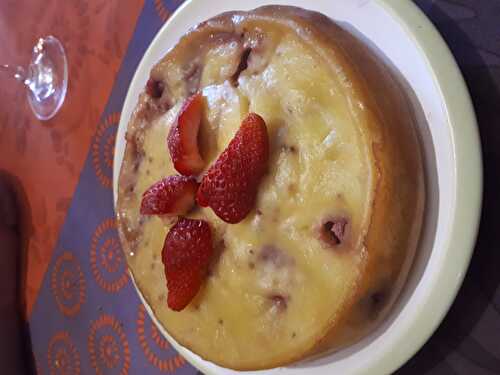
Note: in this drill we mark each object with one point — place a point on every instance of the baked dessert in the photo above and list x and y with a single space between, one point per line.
330 230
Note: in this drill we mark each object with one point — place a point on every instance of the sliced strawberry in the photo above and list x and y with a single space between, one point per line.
186 255
183 137
171 195
230 185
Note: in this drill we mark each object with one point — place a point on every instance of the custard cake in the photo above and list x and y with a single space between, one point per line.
322 254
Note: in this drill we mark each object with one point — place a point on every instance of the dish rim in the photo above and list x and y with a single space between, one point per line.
467 186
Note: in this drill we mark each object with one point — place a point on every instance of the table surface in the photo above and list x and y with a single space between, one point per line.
103 41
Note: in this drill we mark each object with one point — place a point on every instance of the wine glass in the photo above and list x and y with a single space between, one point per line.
45 78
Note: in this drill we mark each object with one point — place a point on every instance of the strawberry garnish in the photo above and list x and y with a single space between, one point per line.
230 185
171 195
183 137
186 255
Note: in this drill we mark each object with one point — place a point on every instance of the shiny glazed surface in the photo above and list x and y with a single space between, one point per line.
278 290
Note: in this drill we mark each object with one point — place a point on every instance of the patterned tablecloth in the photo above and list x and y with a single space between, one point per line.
84 314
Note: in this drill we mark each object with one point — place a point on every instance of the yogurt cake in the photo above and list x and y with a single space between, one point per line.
315 128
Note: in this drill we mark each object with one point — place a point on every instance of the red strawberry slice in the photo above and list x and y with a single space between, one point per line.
171 195
230 185
183 137
186 255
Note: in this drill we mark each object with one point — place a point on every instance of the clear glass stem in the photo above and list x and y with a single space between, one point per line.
16 72
45 78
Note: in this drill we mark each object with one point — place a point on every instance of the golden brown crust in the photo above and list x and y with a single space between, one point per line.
400 192
397 206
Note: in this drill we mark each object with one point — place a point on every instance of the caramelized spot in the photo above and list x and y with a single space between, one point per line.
129 136
241 66
137 164
131 233
378 299
154 88
291 149
279 302
251 265
373 303
221 245
334 231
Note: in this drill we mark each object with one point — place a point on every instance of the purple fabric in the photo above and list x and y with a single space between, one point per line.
89 320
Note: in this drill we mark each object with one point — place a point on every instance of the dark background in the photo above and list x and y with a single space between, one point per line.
468 340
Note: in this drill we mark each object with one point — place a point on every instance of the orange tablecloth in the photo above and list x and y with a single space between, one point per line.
46 157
